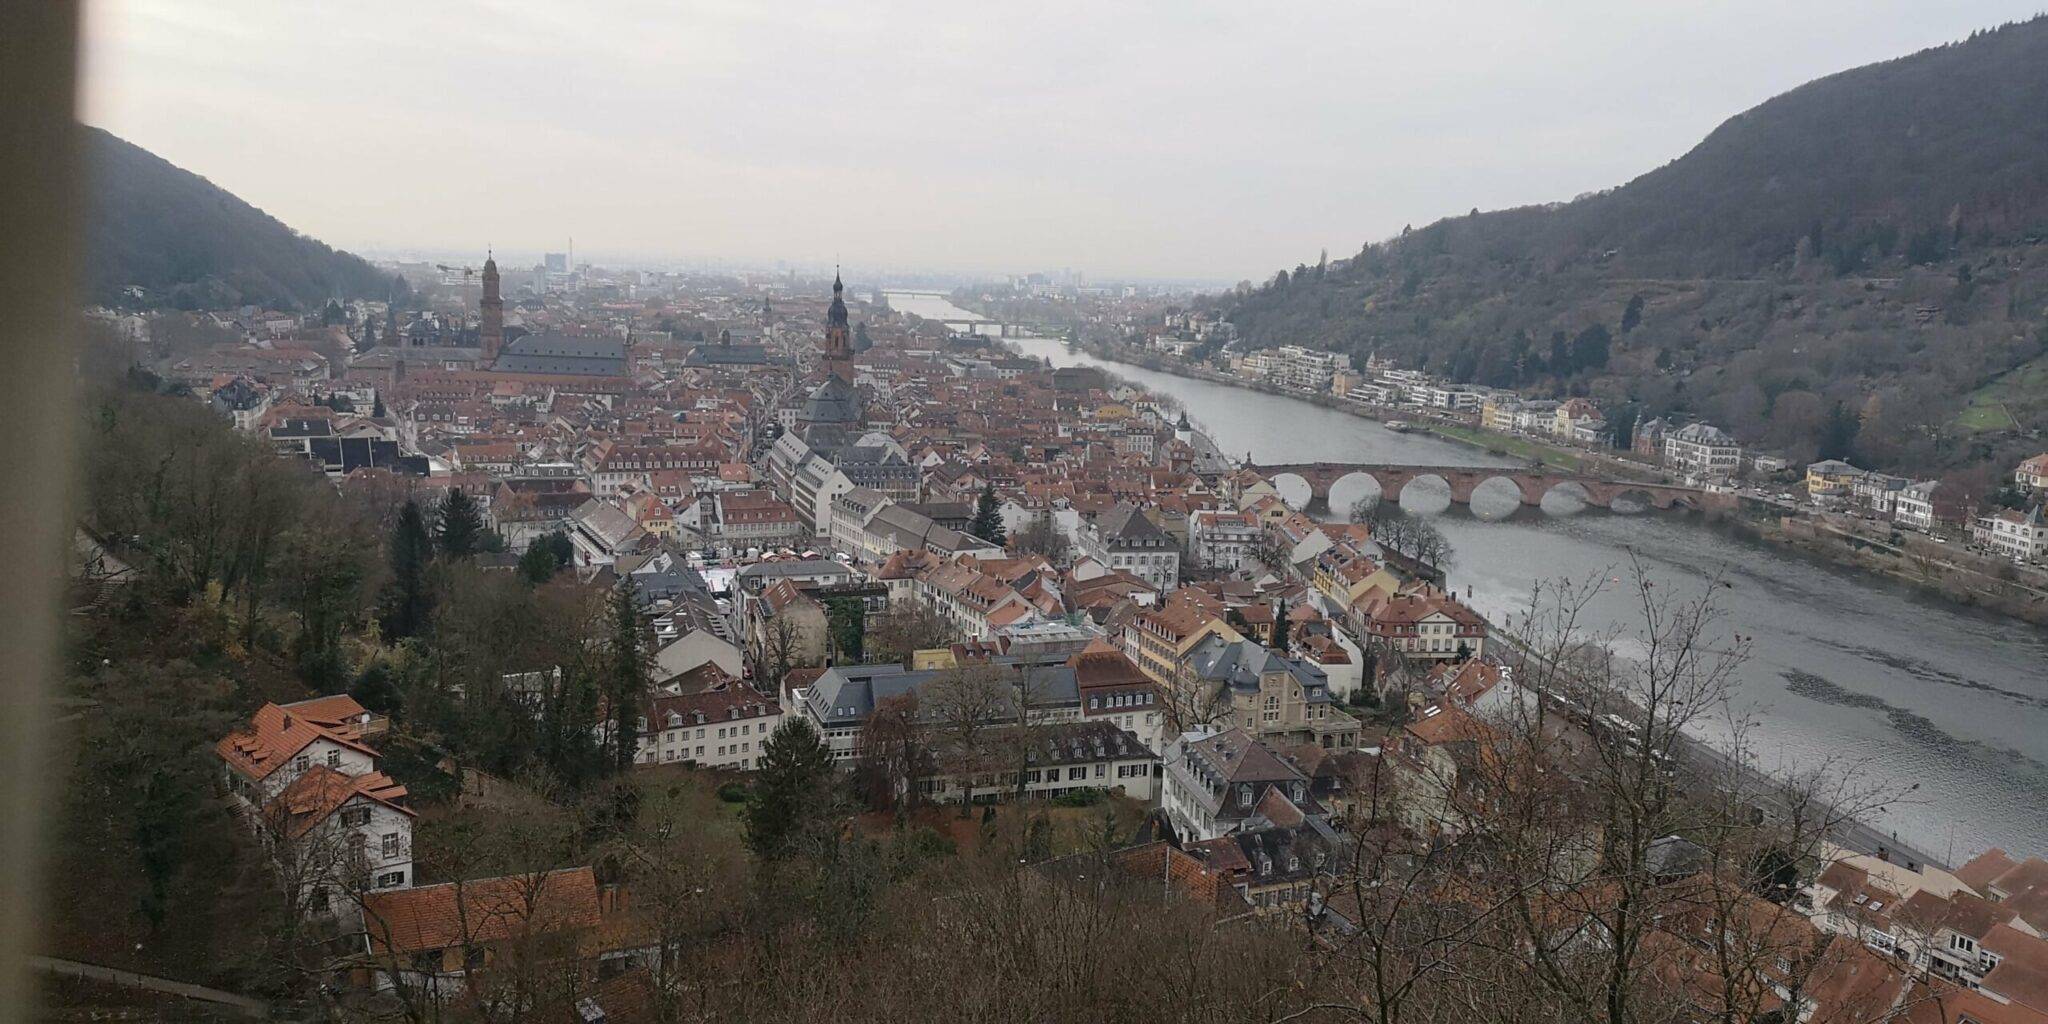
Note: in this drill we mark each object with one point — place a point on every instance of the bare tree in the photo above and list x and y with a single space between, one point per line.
1043 537
964 704
893 753
907 626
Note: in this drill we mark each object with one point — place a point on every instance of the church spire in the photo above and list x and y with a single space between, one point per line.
491 332
838 342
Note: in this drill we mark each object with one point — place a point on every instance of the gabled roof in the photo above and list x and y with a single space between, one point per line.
316 795
276 735
1238 758
485 910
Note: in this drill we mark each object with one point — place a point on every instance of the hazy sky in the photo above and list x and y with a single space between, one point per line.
1183 139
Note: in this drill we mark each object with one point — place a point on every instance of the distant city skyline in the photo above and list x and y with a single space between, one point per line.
1176 141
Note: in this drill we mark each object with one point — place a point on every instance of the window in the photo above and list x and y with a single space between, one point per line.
1100 770
299 763
334 759
1077 772
355 817
390 878
389 846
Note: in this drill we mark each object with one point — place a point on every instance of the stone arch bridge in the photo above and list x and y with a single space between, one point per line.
1532 484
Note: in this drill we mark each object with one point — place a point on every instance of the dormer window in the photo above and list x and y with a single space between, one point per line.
1244 795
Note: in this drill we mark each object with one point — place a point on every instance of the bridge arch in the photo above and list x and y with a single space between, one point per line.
1348 489
1567 496
1498 495
1294 489
1636 499
1425 500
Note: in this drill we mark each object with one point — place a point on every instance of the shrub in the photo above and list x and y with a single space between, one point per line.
733 792
1085 796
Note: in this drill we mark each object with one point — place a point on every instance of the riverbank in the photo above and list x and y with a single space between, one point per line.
1847 667
1936 574
1931 574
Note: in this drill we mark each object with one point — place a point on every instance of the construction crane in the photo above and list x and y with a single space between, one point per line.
446 269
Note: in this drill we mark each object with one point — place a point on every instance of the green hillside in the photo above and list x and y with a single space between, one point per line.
1835 271
186 243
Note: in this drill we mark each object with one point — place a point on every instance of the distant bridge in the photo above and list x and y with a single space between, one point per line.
1532 485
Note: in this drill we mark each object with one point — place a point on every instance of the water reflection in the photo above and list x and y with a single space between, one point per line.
1842 665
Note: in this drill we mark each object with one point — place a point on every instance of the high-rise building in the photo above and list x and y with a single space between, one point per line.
556 262
491 336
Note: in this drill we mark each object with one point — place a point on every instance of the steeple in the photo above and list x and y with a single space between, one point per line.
491 334
838 351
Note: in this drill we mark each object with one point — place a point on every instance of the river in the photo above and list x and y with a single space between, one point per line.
1845 670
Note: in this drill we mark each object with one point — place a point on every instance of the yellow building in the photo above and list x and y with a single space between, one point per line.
1156 639
1498 414
1353 581
1831 478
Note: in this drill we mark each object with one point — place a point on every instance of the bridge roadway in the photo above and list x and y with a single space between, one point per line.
1532 484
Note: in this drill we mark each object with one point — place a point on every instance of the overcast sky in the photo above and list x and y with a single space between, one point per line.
1183 139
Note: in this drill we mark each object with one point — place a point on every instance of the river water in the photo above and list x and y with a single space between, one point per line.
1844 670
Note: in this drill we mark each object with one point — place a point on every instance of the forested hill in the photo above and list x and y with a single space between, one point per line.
188 243
1876 233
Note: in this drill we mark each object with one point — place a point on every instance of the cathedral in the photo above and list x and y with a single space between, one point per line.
831 416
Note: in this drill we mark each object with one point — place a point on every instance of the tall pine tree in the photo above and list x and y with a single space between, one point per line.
462 525
408 603
792 798
538 564
626 680
988 519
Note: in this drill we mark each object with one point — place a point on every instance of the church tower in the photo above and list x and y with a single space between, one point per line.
838 342
491 336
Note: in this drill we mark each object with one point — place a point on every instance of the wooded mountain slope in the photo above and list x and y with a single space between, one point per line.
189 244
1839 271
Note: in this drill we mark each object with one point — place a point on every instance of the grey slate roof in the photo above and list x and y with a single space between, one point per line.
1240 663
847 694
564 354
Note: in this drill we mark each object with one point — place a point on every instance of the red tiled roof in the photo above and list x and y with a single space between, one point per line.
484 910
276 735
321 791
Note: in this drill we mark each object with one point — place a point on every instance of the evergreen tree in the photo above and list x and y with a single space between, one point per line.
792 796
1632 316
563 547
408 604
846 624
626 679
538 564
462 525
1589 348
1280 626
377 410
1838 436
988 519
